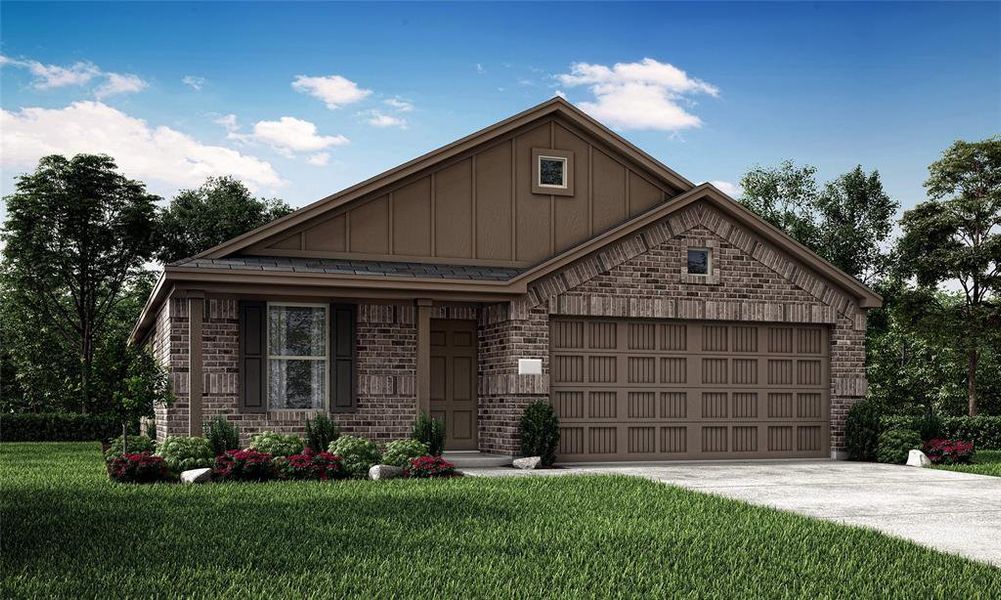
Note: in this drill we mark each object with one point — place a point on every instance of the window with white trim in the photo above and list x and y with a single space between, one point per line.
298 349
552 172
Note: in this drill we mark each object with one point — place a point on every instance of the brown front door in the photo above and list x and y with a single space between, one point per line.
453 381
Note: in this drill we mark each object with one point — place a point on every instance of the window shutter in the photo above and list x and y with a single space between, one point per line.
342 357
253 356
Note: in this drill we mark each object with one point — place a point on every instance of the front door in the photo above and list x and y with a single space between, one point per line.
453 381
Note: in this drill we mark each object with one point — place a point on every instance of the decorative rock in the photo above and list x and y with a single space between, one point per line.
196 476
380 472
917 458
528 462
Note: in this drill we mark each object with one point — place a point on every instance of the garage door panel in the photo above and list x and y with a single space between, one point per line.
657 390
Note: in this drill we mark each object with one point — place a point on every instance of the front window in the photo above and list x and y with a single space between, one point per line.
297 356
552 171
698 261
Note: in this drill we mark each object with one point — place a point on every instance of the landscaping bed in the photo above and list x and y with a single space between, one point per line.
985 462
67 531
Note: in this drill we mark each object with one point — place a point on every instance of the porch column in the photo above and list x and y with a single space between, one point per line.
424 355
196 308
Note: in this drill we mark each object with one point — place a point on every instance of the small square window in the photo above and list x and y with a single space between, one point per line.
698 261
552 171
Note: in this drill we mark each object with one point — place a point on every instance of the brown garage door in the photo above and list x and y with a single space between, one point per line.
664 390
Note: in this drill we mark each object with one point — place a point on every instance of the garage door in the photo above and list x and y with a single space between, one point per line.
665 390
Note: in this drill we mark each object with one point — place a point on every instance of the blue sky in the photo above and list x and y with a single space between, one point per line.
301 100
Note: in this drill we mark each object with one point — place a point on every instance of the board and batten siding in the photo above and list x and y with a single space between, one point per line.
479 208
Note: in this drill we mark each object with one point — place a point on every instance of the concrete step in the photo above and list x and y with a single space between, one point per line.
473 460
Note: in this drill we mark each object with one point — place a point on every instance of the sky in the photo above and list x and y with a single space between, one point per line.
302 100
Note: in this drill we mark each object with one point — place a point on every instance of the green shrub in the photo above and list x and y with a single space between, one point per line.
895 444
222 435
320 432
400 452
983 430
182 453
137 444
276 444
59 427
430 432
357 454
862 429
540 432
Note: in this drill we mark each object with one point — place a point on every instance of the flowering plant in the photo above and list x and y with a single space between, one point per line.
143 467
949 452
426 467
311 465
243 465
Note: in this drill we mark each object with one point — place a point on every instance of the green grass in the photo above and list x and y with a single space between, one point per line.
68 532
985 462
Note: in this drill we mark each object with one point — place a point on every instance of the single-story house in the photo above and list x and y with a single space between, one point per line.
542 258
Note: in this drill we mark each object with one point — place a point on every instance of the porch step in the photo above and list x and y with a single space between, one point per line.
473 459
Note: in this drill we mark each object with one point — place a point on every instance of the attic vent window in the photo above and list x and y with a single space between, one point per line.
552 172
698 261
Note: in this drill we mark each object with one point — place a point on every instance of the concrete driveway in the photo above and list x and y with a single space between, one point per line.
952 512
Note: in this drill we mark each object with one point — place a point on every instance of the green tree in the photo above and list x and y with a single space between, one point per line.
954 239
221 209
847 222
145 386
77 231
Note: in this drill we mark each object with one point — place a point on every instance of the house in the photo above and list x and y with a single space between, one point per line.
542 258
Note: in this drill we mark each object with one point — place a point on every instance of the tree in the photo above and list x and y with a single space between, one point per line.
786 197
76 232
145 385
856 217
955 239
847 222
222 208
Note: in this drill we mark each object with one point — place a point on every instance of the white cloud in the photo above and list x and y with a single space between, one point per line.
47 77
193 82
380 119
320 159
335 91
289 134
479 69
560 93
730 189
399 104
119 83
229 122
141 150
641 95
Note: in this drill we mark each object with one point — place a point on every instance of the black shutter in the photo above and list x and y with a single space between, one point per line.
342 357
253 356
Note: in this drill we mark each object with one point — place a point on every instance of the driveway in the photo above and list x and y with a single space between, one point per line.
952 512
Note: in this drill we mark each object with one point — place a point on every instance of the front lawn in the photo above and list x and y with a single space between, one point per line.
68 532
985 462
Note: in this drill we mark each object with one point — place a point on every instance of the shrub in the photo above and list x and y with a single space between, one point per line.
357 454
320 432
894 445
137 444
183 453
222 435
243 465
400 452
276 444
138 468
430 432
983 430
58 427
862 429
310 465
426 467
540 432
949 452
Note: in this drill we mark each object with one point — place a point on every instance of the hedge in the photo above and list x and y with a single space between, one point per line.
57 427
984 431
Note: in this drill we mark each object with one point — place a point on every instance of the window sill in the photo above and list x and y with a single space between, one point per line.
700 279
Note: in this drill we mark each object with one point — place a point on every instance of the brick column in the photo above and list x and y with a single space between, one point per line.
423 355
196 309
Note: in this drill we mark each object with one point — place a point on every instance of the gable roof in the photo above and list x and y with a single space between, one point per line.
555 106
474 282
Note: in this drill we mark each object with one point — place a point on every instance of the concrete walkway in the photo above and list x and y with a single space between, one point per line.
952 512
